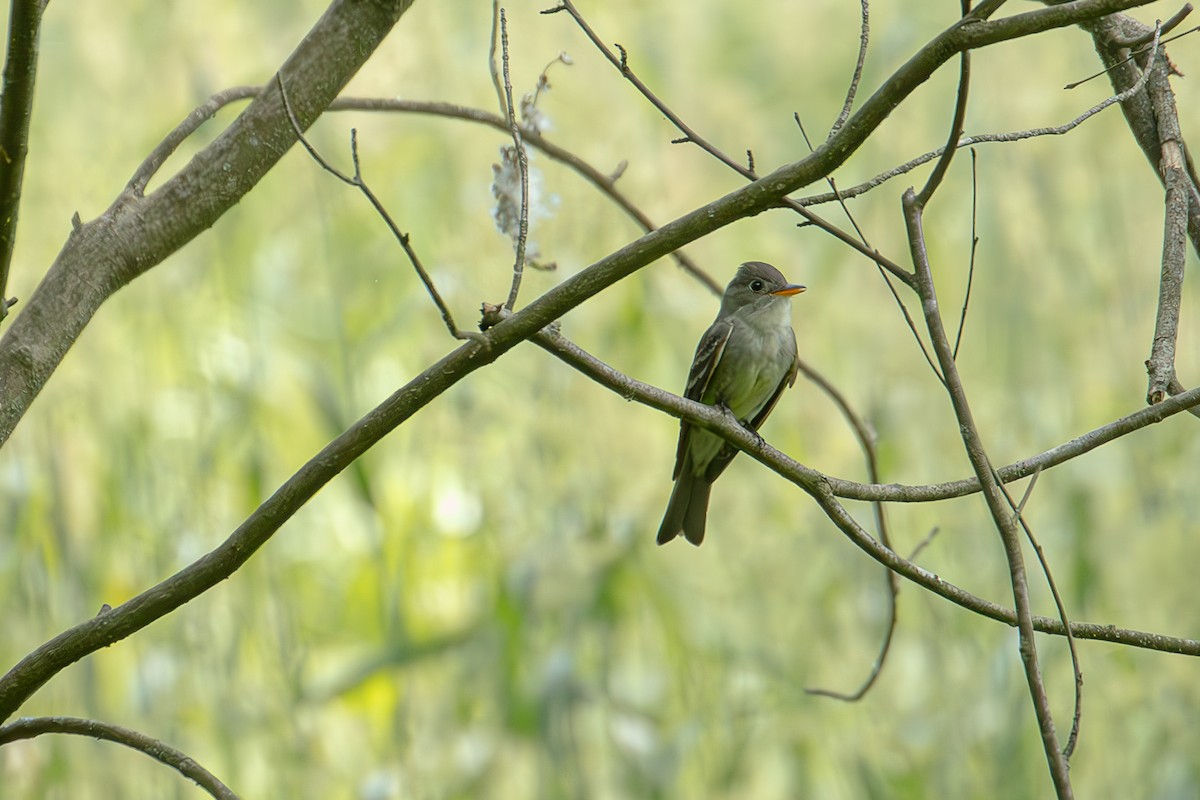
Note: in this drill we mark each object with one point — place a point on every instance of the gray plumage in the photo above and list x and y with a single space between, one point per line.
744 361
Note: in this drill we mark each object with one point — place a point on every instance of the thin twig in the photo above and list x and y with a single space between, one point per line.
866 441
864 38
181 762
969 141
1019 508
1136 53
522 169
1019 517
606 183
203 113
621 62
493 70
356 180
956 127
921 545
862 237
962 318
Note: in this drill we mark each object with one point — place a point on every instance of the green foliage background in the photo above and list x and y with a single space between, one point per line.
477 608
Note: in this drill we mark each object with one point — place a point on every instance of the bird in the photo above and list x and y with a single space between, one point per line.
743 362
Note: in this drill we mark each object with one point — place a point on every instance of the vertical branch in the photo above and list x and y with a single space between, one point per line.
956 127
522 168
1172 165
16 109
493 70
866 439
864 39
1009 533
962 320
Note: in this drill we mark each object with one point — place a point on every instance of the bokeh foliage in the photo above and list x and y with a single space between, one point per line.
477 608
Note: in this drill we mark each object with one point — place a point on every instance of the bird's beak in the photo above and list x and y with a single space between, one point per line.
789 290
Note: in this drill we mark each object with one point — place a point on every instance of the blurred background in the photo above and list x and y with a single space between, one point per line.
477 608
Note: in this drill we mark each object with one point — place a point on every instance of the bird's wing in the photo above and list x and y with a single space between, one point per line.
704 364
721 459
788 380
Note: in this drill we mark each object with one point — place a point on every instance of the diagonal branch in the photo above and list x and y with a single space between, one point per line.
136 233
33 671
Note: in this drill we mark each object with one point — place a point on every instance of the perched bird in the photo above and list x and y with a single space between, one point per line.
743 363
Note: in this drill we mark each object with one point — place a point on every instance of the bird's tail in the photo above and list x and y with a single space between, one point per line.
687 510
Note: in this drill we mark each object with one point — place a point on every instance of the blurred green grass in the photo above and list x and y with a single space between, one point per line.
477 608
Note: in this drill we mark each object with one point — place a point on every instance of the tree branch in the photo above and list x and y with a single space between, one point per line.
225 170
16 112
1161 364
1111 36
818 486
992 494
161 752
136 233
1180 401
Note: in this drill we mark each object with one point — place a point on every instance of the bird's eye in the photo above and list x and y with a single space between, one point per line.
756 285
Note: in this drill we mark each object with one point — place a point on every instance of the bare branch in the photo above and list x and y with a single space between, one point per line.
356 180
747 172
864 39
866 440
969 141
1108 34
1060 606
16 112
1161 364
1180 401
185 765
522 171
204 112
956 127
1176 388
962 318
818 486
879 260
501 102
605 183
992 495
136 233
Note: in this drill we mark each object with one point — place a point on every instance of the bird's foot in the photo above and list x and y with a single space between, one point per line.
758 439
728 412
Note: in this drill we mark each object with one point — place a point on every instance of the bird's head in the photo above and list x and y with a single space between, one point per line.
757 283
